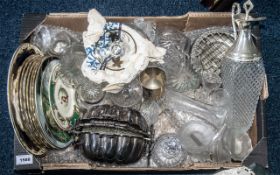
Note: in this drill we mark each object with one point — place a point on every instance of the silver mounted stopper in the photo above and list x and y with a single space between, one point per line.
244 48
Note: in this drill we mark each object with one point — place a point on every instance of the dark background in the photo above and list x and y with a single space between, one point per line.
13 10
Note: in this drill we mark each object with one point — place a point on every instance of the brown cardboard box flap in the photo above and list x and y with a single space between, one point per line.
208 19
189 21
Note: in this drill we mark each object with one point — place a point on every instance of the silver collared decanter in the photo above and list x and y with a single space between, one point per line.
243 72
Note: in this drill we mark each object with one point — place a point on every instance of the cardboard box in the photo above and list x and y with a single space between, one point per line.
190 21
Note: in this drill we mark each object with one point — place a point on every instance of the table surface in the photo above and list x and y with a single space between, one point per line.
12 11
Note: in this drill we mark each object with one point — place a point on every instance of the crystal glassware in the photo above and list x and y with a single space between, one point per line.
174 60
177 47
71 63
243 72
150 110
181 102
42 38
90 92
129 96
219 97
54 40
168 151
148 27
164 124
210 82
197 136
60 42
185 79
171 37
218 151
238 143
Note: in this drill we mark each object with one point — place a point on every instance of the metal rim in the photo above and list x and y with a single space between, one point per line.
22 52
29 66
34 117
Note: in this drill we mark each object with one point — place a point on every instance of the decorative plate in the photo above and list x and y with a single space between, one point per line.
57 137
62 101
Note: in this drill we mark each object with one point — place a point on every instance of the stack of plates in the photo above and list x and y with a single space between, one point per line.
31 110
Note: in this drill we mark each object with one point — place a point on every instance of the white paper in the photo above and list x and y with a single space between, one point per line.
132 62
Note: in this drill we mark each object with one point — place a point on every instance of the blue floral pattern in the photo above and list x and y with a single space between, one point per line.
98 52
